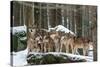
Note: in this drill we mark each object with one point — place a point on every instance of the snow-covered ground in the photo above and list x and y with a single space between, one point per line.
19 58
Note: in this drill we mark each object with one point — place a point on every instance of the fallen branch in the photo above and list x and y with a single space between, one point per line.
72 56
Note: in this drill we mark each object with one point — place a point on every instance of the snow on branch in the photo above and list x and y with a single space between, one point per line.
18 29
71 56
61 28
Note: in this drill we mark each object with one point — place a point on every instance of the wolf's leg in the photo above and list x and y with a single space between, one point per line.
61 47
84 51
77 52
66 48
45 47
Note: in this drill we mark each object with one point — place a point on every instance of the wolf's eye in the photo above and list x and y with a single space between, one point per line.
34 38
31 30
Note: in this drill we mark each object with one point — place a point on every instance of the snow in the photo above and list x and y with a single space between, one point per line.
18 29
51 29
90 53
61 28
19 58
23 38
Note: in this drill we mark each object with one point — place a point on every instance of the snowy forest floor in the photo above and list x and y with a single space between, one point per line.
21 59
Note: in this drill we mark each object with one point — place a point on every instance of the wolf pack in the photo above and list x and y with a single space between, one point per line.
40 40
